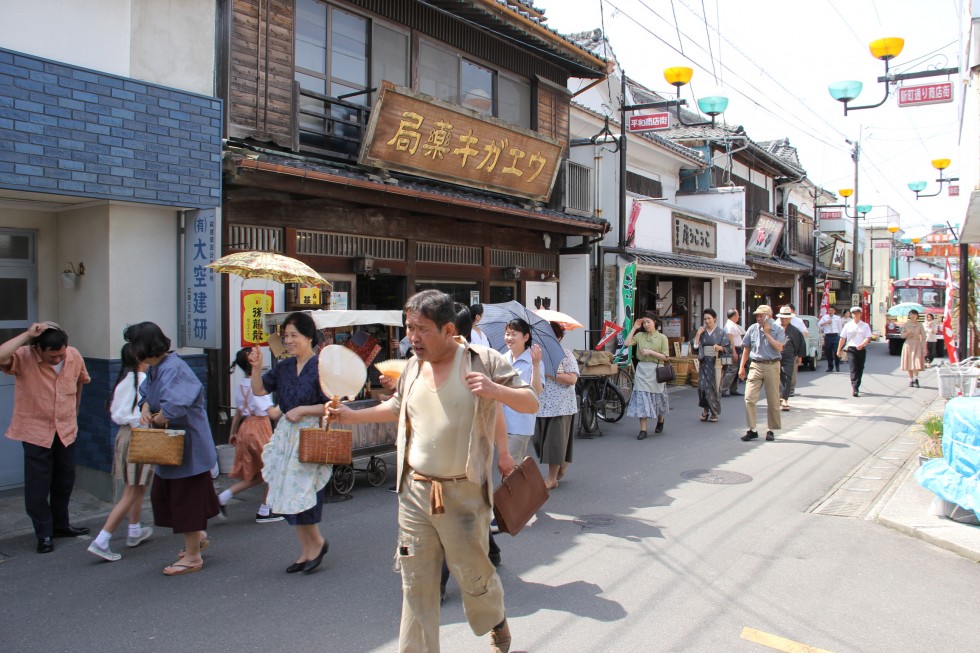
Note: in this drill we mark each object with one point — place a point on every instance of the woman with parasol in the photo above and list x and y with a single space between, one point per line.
295 489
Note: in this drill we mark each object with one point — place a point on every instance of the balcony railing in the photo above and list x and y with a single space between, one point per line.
330 126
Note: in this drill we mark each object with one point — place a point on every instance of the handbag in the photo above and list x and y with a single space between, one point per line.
156 446
666 373
326 445
519 496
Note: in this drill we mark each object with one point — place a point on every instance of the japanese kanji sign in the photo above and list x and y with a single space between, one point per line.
766 234
255 303
649 122
913 96
692 236
421 135
199 325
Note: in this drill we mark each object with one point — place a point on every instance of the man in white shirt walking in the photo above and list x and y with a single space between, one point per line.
830 326
855 335
734 331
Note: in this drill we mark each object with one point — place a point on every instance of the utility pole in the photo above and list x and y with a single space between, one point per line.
856 157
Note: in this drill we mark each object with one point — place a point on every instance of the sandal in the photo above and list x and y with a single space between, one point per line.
178 569
205 543
704 416
713 418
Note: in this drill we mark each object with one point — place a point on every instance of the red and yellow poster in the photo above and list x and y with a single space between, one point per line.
255 303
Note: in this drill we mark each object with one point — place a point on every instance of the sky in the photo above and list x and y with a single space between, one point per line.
775 58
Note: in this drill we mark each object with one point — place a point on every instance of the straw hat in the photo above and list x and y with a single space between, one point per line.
786 312
764 310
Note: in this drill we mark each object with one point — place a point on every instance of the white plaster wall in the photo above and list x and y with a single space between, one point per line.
83 235
142 272
653 232
573 296
92 34
173 43
45 225
727 204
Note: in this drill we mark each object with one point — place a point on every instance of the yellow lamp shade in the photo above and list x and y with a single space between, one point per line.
846 192
678 75
940 164
892 228
916 239
887 48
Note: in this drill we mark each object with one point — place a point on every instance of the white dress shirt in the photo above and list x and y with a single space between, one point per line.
829 324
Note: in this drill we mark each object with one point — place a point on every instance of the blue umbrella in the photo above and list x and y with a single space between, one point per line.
494 323
902 310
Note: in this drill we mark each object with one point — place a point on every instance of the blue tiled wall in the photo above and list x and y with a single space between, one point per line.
74 131
96 432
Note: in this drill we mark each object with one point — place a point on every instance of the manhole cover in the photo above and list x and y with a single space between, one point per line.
716 477
594 521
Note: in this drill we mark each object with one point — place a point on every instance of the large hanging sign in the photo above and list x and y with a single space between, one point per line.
767 231
915 96
418 134
837 262
255 303
693 236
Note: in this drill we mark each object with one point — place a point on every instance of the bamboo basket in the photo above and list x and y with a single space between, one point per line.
682 369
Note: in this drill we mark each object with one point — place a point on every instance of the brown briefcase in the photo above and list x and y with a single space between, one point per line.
519 496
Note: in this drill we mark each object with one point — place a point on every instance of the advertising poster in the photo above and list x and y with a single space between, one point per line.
255 303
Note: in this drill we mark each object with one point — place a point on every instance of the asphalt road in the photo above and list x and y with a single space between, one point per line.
627 555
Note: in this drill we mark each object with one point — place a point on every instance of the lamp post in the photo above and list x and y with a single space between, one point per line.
884 49
918 186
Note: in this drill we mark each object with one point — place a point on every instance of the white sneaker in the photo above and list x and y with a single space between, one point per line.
494 528
104 553
145 533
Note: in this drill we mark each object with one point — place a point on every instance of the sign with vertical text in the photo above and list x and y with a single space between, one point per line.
255 303
198 313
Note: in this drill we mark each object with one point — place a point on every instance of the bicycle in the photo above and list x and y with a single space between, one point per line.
599 398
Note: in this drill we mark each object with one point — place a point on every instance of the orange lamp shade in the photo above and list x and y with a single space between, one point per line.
892 228
678 75
887 48
940 164
846 192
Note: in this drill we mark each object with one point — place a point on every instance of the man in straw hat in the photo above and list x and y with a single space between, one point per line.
792 355
763 345
855 336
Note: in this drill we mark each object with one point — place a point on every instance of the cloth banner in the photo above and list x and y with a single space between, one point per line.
825 303
629 296
947 327
634 216
609 331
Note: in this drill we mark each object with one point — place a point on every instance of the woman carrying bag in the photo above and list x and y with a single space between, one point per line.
649 397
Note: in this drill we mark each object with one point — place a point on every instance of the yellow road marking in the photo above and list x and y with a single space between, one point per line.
778 643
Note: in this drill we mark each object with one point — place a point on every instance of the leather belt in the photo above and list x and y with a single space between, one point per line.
436 506
774 360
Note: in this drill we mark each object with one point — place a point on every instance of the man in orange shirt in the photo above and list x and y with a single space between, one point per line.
47 392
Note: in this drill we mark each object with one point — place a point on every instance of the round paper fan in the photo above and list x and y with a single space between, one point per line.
342 372
392 368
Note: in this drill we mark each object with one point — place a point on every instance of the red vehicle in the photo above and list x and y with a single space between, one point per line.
925 289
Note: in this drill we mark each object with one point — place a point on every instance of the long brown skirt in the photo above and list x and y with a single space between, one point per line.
184 504
553 439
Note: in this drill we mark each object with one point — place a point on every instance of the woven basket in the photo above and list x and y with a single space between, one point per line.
156 447
326 446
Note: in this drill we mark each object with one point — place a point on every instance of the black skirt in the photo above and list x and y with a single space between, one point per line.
184 504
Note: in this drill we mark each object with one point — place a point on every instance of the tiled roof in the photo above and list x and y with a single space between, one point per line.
680 262
321 170
777 263
782 149
824 271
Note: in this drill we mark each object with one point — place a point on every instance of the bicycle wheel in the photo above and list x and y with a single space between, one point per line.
611 405
590 420
624 381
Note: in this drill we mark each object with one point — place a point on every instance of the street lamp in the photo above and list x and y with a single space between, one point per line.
918 186
884 49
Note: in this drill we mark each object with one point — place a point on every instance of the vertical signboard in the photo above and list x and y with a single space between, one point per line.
255 303
199 325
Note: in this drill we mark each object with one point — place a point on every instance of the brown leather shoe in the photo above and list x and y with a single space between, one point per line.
500 638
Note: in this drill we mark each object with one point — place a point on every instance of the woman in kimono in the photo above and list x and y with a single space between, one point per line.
711 342
649 397
172 397
295 489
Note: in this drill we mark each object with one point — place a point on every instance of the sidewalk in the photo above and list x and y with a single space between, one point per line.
905 506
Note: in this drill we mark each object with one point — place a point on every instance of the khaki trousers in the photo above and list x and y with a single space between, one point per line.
460 536
763 374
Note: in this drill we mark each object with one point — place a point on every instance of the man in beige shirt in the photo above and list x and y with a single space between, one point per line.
446 407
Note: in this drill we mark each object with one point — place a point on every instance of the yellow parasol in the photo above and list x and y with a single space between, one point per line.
566 321
266 265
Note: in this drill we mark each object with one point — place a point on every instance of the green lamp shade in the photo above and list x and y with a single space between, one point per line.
864 208
917 186
927 247
845 91
713 104
906 241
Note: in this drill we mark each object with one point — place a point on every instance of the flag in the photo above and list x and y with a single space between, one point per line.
947 327
629 297
634 216
825 303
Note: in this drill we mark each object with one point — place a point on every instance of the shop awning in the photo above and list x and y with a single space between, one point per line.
781 264
841 275
649 261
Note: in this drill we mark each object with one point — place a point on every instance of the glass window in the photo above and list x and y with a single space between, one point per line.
15 247
514 101
311 35
13 300
389 56
477 84
438 73
349 49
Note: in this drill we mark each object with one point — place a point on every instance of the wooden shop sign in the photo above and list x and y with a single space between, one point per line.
415 133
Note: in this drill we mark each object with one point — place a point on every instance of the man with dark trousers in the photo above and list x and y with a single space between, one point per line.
47 392
855 336
830 326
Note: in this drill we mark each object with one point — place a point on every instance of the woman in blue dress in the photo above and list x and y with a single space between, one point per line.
172 397
295 489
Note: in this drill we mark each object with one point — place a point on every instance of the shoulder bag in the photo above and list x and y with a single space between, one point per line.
665 373
519 496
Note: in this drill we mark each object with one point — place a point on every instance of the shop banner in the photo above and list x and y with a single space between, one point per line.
629 297
825 304
255 303
199 325
951 353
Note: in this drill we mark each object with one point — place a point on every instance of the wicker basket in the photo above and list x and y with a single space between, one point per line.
156 447
326 446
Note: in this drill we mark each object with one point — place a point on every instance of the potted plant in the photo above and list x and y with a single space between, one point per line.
932 446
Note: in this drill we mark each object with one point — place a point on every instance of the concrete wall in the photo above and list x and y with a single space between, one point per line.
84 310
